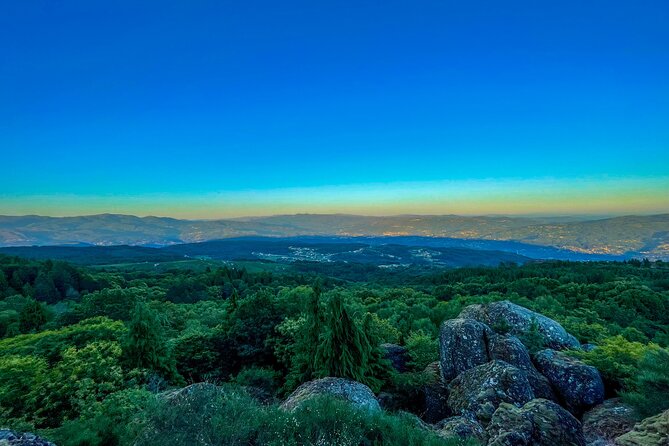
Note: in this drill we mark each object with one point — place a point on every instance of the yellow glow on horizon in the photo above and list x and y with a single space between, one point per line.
472 197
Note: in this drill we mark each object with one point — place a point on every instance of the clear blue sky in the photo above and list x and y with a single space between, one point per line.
189 107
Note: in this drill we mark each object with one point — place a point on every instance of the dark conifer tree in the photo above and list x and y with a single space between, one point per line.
346 350
32 316
145 346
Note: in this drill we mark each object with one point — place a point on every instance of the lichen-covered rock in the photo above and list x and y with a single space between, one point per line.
518 320
509 349
396 355
653 431
354 392
578 385
12 438
540 386
461 428
436 395
603 423
538 423
462 345
482 389
510 426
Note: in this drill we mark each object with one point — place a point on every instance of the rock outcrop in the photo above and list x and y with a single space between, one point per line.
396 355
12 438
509 349
653 431
480 390
463 344
518 321
578 386
359 395
460 428
611 419
538 423
436 395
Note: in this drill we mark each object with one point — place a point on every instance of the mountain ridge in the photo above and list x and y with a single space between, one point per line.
630 235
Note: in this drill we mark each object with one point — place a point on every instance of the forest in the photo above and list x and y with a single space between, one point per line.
93 355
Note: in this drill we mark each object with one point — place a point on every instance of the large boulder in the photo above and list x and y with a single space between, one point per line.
12 438
480 390
578 386
436 395
463 344
396 355
461 428
359 395
193 392
653 431
509 349
538 423
518 321
611 419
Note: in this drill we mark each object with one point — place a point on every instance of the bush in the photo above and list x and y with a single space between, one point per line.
617 360
651 385
115 421
228 415
422 350
263 384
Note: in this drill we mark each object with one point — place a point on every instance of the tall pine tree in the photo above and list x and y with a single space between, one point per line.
145 346
304 348
346 350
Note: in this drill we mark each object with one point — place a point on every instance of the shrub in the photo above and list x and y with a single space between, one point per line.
422 350
617 360
651 385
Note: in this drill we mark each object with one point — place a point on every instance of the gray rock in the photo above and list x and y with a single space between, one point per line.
461 428
540 386
397 355
436 395
462 345
480 390
354 392
509 349
653 431
12 438
518 320
611 419
578 386
538 423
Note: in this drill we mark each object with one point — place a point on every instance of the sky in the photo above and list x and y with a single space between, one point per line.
208 109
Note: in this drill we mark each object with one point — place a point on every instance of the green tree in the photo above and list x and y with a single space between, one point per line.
19 376
306 341
45 290
32 317
145 346
345 350
77 384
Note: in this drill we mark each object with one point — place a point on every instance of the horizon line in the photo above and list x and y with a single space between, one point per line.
594 216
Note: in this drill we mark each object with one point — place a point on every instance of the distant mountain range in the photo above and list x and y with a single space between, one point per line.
616 237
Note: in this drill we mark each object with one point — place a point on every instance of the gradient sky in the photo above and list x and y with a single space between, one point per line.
209 109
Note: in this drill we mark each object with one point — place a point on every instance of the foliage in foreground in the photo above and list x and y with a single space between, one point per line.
83 351
231 417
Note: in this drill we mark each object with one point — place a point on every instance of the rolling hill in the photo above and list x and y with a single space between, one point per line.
628 236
